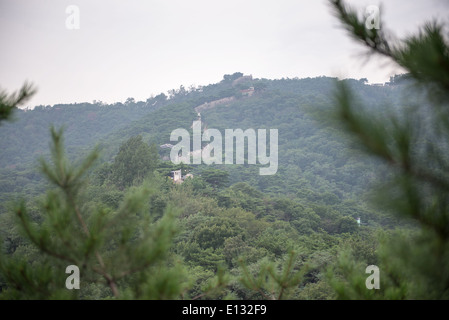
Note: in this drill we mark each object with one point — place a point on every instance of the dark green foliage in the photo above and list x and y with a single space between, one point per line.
214 233
134 161
275 282
122 251
215 177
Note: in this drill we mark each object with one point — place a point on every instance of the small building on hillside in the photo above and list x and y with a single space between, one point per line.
177 176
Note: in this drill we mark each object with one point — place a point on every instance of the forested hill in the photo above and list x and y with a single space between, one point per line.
310 157
226 213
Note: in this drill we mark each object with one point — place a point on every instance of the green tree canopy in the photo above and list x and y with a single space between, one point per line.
215 177
119 253
133 162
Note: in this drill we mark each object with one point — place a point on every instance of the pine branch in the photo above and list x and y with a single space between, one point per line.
374 39
39 242
10 102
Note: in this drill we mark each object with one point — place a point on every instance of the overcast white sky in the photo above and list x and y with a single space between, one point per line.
139 48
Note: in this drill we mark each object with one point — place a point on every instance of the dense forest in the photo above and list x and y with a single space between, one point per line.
230 220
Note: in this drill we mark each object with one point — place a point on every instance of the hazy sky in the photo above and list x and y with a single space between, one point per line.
139 48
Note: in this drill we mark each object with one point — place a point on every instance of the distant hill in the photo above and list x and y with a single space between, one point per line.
310 156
